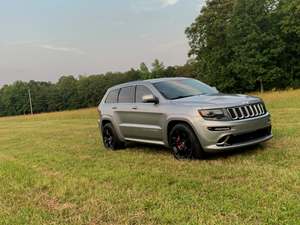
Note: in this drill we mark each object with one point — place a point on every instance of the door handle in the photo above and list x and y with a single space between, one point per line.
134 107
114 107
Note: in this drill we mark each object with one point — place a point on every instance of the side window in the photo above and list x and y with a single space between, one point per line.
141 91
127 95
112 97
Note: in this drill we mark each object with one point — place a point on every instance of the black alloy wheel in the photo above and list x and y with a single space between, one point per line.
110 138
184 143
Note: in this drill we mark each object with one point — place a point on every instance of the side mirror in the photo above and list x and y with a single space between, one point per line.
150 99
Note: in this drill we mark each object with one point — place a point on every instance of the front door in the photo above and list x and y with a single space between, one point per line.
146 119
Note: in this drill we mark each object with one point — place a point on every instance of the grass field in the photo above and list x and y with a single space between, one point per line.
55 170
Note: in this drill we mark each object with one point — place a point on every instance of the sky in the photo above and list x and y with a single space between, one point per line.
43 40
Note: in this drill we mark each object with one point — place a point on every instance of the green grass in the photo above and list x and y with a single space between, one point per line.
55 170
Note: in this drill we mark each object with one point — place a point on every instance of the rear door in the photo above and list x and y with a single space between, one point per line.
124 109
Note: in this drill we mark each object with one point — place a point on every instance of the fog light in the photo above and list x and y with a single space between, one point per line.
219 128
223 141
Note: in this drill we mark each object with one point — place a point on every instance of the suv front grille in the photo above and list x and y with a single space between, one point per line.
247 111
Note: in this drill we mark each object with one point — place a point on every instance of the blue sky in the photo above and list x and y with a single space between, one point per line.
43 40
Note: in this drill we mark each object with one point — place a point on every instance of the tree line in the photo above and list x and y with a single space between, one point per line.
235 45
73 93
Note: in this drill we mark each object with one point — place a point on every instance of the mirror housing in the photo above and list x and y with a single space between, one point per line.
150 99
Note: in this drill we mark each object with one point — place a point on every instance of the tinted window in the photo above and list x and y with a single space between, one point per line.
127 95
182 88
140 92
112 97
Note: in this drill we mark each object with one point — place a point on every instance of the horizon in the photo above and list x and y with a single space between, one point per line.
78 38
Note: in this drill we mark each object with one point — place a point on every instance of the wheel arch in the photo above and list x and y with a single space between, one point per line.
198 152
107 119
172 123
104 122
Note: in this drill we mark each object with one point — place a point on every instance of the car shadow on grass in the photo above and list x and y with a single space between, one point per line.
147 147
155 149
244 151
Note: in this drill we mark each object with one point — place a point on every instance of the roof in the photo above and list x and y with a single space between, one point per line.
137 82
165 79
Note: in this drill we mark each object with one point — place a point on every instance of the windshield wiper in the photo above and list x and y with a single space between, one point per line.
182 96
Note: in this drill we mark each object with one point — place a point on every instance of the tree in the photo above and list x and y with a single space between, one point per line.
41 95
207 37
14 99
1 104
256 46
145 73
67 88
187 70
289 25
157 69
239 43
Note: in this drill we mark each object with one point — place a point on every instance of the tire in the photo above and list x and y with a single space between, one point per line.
110 138
184 143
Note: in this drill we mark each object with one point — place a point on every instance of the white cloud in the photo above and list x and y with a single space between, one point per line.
151 5
61 49
44 45
166 3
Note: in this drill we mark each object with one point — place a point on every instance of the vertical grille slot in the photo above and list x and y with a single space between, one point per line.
233 113
245 112
255 110
250 110
239 112
259 109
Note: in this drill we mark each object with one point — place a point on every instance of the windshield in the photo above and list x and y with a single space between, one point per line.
183 88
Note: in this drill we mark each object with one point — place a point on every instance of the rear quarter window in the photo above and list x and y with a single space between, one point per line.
112 96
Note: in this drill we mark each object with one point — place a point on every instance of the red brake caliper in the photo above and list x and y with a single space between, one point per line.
179 144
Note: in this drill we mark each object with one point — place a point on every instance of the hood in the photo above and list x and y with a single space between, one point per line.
218 100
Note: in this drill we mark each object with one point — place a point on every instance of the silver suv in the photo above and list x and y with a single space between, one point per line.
182 113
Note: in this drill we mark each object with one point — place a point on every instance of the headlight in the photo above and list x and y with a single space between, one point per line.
214 114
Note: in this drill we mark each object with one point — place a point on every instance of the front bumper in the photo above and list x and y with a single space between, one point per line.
239 134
